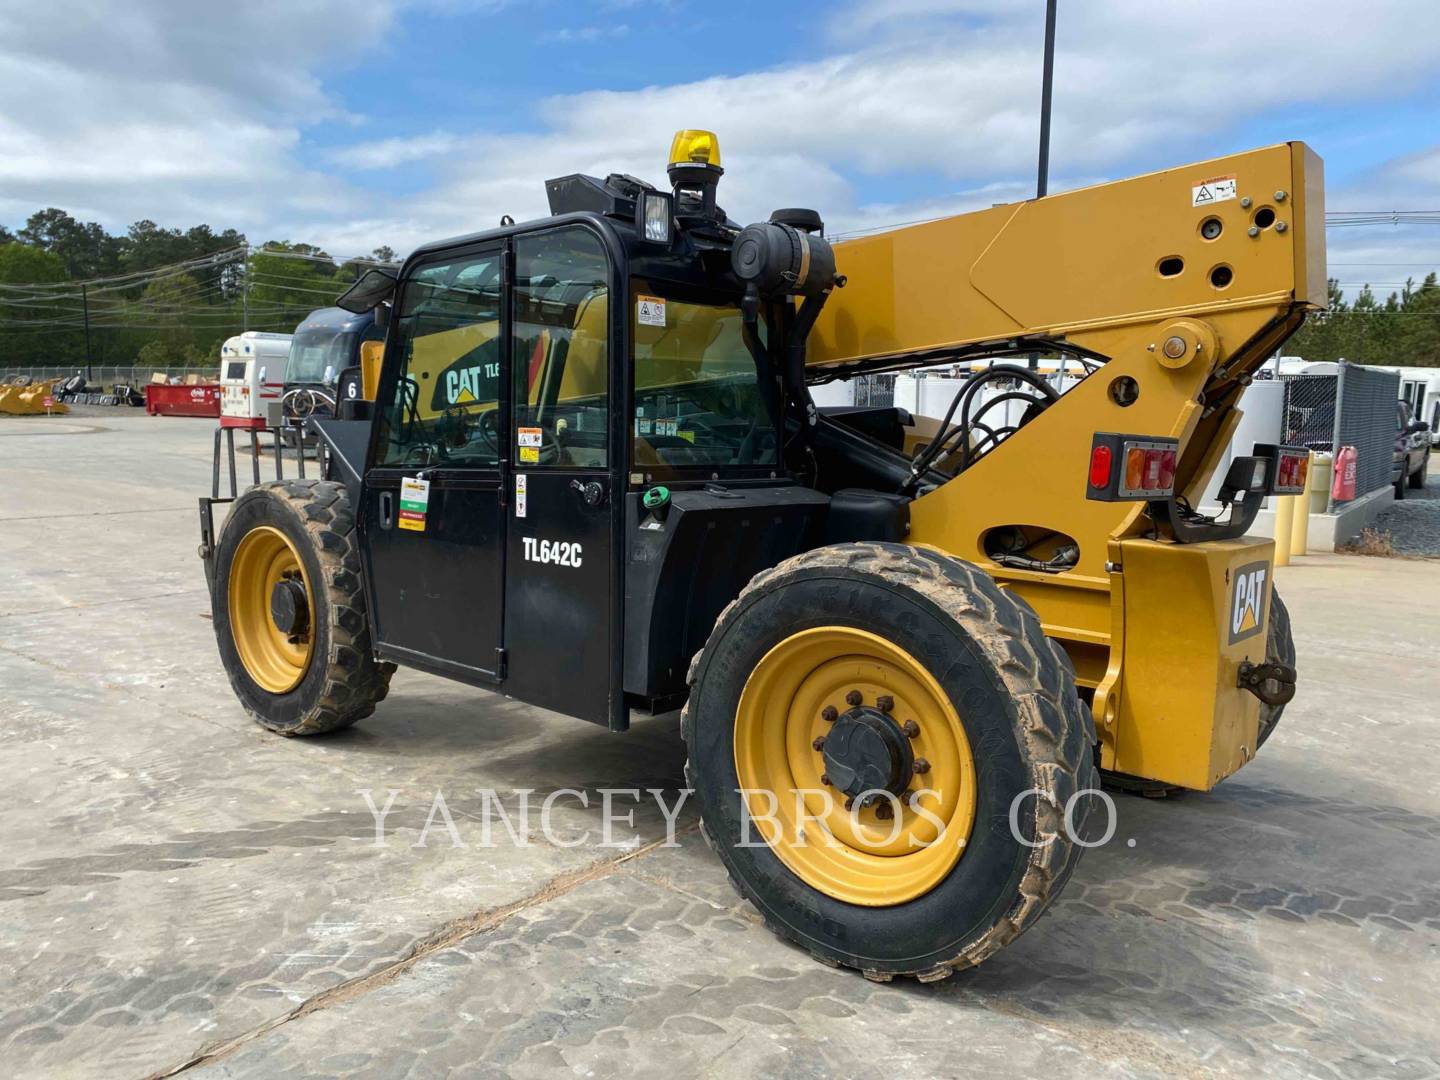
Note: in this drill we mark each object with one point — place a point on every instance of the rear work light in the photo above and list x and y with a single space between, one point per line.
1289 466
1131 468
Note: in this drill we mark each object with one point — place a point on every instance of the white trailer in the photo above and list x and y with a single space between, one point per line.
252 374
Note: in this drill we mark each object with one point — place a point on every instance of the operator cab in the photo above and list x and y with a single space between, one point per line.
578 421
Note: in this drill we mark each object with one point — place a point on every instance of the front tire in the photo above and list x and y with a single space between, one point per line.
289 609
890 633
1417 478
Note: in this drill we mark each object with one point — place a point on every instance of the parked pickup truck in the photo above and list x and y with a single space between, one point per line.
1412 450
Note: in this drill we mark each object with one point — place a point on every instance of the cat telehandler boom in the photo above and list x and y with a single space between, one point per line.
585 470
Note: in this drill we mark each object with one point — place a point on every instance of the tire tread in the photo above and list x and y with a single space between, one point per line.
355 682
1056 729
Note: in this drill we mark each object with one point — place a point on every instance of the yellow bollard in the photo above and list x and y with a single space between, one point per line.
1300 529
1284 525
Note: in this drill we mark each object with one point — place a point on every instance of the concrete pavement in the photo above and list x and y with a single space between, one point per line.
180 890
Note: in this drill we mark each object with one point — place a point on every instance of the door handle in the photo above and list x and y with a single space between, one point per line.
592 491
387 509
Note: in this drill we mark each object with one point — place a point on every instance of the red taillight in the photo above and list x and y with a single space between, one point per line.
1290 473
1152 469
1166 477
1132 467
1149 471
1100 467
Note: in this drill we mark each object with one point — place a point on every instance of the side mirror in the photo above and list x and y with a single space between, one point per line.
374 287
1417 427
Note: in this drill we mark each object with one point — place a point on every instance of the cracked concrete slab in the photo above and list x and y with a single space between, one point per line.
182 891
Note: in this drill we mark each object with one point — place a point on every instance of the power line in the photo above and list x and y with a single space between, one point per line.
218 258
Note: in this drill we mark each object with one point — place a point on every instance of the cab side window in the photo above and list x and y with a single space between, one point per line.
560 350
447 328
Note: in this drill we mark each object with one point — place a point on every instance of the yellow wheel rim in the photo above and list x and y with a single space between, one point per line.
874 856
275 659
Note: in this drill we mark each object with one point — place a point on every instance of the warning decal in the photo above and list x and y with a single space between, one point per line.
650 311
520 495
1216 189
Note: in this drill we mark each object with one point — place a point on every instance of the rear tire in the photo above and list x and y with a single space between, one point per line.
1279 647
1417 478
1000 679
307 524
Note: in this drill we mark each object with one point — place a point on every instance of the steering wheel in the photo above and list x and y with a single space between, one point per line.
433 452
455 426
303 401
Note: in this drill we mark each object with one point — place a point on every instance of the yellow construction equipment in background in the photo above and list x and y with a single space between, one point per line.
28 398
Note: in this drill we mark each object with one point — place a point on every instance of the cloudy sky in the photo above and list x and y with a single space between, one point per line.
355 123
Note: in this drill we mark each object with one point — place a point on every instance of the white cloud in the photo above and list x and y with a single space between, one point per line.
912 90
118 111
389 153
1385 256
141 109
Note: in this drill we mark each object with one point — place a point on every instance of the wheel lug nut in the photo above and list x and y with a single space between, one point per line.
825 778
829 714
853 698
849 802
911 729
921 766
818 743
885 811
885 703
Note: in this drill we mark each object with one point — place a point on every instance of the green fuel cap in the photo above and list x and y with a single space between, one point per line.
655 498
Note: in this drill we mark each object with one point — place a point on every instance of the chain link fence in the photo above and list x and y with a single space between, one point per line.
875 390
1354 406
108 375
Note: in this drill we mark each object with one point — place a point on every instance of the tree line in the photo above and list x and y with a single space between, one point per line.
159 297
1403 330
140 309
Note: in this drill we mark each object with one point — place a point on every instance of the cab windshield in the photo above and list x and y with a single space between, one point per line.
313 351
698 402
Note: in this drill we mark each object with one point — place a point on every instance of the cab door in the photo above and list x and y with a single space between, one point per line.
431 508
562 574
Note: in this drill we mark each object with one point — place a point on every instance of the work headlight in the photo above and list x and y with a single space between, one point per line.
654 213
1288 467
1246 476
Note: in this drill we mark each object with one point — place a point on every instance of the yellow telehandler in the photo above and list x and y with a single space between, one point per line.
592 477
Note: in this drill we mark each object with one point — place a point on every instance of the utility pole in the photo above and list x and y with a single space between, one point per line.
1043 181
85 303
245 290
